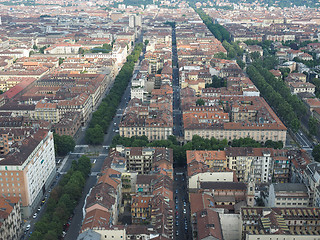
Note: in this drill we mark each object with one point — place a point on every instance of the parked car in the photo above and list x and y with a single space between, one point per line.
35 215
28 227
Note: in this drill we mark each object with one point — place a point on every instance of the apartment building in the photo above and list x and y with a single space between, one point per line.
27 172
69 124
63 49
215 160
142 160
162 215
153 119
279 223
81 103
301 87
8 137
140 208
46 111
10 218
311 178
250 163
288 195
106 196
206 224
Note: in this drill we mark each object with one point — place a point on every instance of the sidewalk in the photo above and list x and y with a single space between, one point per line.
63 163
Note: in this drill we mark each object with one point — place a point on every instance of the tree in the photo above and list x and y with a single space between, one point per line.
217 82
41 227
146 42
255 56
36 236
81 51
241 63
316 153
94 135
295 124
220 55
63 144
84 165
60 61
41 50
200 102
313 126
285 72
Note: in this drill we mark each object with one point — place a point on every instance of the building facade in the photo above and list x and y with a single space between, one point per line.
28 171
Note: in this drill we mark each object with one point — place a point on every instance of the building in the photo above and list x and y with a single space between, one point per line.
140 208
10 218
250 163
69 124
206 225
279 223
154 119
311 178
46 111
227 195
240 117
288 195
28 171
299 87
141 159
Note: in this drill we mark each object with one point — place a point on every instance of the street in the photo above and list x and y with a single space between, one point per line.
182 226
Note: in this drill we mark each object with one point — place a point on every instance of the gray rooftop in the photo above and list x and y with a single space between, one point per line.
290 187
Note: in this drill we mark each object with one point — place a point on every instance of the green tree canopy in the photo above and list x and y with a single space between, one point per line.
63 144
316 153
200 102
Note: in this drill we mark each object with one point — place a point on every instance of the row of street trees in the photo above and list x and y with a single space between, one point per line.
62 201
274 90
106 111
216 29
197 143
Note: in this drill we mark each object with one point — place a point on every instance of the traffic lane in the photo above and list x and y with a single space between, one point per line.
98 164
302 139
76 221
183 211
37 215
116 120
